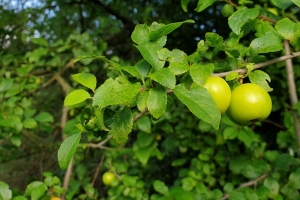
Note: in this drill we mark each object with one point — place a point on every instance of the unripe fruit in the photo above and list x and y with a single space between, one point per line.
108 178
220 92
249 103
227 10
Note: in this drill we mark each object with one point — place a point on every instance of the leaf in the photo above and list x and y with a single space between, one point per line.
240 17
140 70
184 4
5 192
75 97
157 101
297 2
203 4
294 179
39 41
6 84
284 161
165 77
140 34
230 133
142 99
67 150
160 187
282 4
29 123
177 59
122 125
144 124
273 186
143 154
259 77
86 79
231 76
214 40
200 103
265 44
178 193
163 30
44 117
36 190
286 28
112 92
200 72
149 53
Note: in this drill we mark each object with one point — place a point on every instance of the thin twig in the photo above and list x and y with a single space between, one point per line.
67 178
98 169
247 184
292 93
100 144
260 65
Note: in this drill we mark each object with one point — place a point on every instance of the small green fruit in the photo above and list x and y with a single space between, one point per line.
227 10
220 92
108 178
249 103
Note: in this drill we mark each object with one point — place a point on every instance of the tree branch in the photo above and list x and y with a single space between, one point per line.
98 170
247 184
292 93
260 65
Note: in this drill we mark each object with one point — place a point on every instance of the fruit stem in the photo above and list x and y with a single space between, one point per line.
292 93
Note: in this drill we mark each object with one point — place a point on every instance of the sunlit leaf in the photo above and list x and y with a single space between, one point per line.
75 97
86 79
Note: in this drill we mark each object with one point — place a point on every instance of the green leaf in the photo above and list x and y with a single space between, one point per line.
200 72
179 162
140 70
29 123
75 97
157 101
16 140
160 187
230 133
140 34
165 77
284 161
260 77
200 103
184 4
214 40
122 125
177 59
142 99
112 92
232 76
143 154
86 79
297 2
130 181
36 190
44 117
203 4
67 150
289 30
273 186
236 195
282 4
5 192
149 53
178 193
6 84
144 124
163 30
39 41
241 17
265 44
294 179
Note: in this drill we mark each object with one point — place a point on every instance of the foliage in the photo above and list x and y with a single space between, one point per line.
150 121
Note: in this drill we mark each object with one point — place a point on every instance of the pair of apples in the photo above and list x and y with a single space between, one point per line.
246 104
